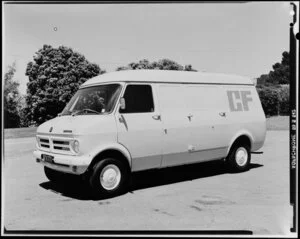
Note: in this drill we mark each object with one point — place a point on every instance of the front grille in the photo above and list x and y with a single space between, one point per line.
60 142
44 143
45 146
54 144
61 148
61 145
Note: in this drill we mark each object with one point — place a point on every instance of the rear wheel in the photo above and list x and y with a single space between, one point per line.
109 177
239 158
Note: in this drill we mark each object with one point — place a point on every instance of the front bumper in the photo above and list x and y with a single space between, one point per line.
64 163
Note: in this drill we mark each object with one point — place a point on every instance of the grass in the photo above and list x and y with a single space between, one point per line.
273 123
278 123
19 132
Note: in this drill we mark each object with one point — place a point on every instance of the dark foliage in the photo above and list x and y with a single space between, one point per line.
11 99
55 75
274 100
280 73
164 64
273 88
269 100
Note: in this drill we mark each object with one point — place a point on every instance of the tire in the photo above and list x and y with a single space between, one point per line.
53 175
109 177
239 158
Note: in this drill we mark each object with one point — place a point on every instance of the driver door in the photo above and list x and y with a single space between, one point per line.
140 128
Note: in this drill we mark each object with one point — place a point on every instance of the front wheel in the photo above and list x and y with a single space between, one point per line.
109 177
239 158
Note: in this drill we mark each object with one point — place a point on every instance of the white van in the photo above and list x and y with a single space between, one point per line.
128 121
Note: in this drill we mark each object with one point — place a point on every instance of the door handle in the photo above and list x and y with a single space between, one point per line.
223 114
190 116
156 117
123 121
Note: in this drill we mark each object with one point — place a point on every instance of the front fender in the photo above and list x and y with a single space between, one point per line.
113 146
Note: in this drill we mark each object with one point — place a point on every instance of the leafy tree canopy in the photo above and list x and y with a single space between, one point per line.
11 99
164 64
280 73
55 74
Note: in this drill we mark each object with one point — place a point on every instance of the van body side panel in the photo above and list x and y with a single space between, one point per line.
174 116
245 114
206 126
198 123
144 163
141 135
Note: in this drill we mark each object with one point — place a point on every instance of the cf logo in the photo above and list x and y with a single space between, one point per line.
238 100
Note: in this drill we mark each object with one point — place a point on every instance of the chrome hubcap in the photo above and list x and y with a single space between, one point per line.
110 177
241 156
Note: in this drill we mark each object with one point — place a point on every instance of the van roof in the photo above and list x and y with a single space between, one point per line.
168 76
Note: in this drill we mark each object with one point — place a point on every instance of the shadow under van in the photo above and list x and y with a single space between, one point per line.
74 188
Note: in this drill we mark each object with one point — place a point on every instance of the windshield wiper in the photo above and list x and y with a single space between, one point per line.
85 110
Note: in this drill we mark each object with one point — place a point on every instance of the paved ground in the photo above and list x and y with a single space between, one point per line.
198 197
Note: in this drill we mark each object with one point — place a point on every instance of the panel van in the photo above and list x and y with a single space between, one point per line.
128 121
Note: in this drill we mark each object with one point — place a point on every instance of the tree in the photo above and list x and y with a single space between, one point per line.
262 80
11 99
280 73
284 104
55 74
164 64
273 88
270 100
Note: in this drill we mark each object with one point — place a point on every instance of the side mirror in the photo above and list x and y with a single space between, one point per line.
122 104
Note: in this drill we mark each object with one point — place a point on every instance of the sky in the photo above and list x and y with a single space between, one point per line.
234 38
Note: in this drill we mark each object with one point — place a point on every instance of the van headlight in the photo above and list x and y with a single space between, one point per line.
37 144
75 145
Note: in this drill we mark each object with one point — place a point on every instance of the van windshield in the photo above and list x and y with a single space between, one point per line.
93 100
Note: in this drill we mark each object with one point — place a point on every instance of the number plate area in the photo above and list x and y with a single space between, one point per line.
47 158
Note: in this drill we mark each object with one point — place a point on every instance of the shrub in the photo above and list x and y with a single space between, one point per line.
284 103
274 100
269 100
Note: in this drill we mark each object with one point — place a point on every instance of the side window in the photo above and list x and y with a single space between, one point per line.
138 99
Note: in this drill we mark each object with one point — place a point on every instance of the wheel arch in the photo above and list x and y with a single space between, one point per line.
114 152
242 137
